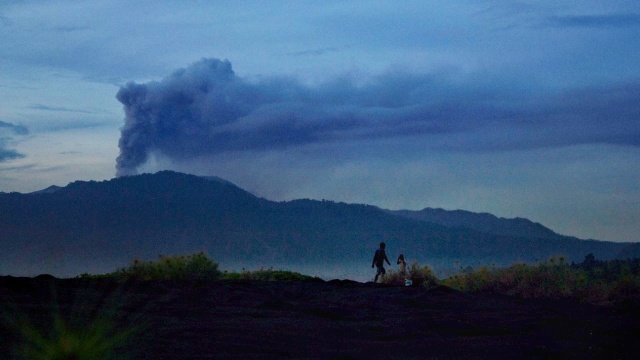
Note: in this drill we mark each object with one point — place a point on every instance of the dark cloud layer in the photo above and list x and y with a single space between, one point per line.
59 108
9 154
207 109
16 129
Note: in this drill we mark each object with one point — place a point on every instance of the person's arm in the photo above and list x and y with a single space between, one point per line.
387 259
375 257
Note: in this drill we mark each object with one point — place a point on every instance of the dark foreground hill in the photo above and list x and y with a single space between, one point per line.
99 226
315 320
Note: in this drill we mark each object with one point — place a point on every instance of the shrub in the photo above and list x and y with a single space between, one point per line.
480 280
422 275
552 278
191 267
393 278
596 282
419 275
626 289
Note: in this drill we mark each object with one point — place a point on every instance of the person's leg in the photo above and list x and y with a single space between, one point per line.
378 273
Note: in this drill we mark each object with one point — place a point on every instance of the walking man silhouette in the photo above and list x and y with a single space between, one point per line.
378 260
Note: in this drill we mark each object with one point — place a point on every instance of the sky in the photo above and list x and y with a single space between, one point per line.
516 108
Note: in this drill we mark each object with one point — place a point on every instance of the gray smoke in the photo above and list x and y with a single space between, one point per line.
207 109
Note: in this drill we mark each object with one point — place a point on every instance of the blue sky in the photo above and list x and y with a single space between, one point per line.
516 108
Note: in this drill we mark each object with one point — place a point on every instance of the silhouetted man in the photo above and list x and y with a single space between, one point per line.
378 260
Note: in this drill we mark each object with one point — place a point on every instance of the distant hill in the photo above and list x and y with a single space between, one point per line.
50 189
630 251
100 226
484 222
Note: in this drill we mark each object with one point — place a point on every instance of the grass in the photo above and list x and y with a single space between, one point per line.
185 267
596 282
419 276
592 281
96 340
191 267
195 267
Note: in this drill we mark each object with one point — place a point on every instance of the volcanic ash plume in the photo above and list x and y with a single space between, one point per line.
206 109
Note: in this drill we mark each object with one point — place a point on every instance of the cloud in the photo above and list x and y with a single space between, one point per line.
16 129
206 109
59 108
18 168
5 153
70 28
8 154
318 52
595 21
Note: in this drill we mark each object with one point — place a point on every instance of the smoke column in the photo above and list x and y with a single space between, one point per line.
207 109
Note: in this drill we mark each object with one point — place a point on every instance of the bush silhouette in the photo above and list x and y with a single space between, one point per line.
191 267
419 276
592 281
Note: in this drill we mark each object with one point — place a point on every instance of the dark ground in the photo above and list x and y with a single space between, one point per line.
322 320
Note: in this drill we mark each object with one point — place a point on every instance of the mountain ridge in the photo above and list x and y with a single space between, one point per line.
484 222
90 226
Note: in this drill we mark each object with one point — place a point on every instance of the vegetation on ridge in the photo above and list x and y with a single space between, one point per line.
419 276
592 281
194 267
190 267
